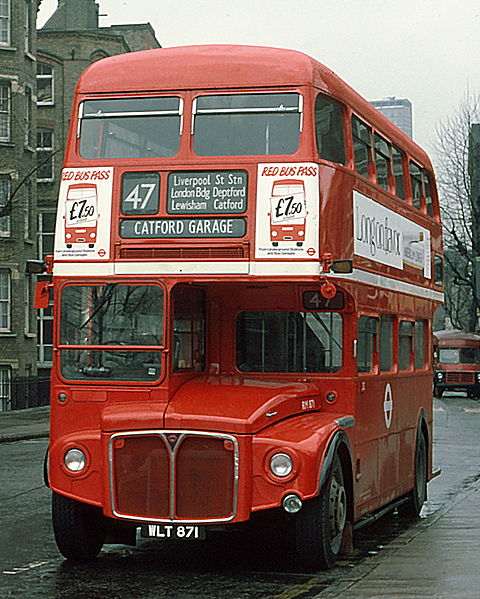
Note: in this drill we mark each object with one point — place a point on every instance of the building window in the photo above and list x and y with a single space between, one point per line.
28 116
5 295
28 26
5 190
45 335
44 154
44 84
5 387
5 110
4 22
28 210
46 234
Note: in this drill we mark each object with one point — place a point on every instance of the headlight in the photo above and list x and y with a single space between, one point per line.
440 376
75 460
281 465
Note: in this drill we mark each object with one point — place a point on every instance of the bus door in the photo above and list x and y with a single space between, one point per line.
81 214
287 212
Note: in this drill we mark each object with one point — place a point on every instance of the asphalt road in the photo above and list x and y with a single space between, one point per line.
229 566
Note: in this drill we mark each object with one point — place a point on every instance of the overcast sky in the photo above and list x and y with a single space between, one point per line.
425 50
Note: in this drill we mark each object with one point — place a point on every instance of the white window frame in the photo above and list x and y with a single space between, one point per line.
46 76
6 299
42 149
5 221
43 233
5 17
6 108
28 26
5 386
28 116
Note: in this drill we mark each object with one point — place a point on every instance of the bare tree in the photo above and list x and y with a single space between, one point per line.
454 152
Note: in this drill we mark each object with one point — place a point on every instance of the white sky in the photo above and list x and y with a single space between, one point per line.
425 50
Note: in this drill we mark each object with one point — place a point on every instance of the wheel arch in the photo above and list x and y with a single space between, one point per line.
339 445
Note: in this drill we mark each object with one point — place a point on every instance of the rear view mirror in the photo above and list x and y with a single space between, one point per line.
342 266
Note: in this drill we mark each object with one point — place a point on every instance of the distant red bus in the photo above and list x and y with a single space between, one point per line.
201 374
457 362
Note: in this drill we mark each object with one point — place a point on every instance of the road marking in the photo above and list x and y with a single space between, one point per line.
298 589
474 410
20 569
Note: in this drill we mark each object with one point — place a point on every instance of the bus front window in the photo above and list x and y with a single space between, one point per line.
464 355
104 331
247 124
130 127
289 342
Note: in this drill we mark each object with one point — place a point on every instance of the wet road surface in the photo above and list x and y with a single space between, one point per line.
226 566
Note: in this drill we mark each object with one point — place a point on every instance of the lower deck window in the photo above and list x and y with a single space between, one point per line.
289 342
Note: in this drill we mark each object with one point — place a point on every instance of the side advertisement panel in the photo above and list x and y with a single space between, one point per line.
384 236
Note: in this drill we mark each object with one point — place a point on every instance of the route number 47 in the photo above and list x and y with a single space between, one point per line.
139 196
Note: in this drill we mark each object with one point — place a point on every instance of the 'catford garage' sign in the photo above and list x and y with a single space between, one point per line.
185 227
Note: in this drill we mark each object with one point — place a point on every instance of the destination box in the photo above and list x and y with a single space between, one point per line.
207 192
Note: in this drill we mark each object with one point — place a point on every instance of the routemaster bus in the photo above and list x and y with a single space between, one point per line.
456 362
203 376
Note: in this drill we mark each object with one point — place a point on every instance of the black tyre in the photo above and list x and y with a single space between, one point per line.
320 524
79 528
438 391
418 495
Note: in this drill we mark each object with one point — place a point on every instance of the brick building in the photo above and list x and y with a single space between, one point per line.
38 74
18 47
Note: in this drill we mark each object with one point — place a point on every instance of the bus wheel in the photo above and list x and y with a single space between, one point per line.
79 528
418 495
320 524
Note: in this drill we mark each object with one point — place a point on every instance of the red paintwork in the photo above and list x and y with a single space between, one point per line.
226 400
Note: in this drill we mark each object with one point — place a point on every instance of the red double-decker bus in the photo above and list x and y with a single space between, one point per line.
202 374
456 362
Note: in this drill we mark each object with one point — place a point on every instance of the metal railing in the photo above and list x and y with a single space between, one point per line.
24 392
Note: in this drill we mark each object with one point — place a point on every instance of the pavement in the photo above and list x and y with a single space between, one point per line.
18 425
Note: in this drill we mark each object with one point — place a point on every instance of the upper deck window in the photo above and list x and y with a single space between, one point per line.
329 130
247 124
362 146
130 127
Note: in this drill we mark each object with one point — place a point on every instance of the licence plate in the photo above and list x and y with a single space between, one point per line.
184 532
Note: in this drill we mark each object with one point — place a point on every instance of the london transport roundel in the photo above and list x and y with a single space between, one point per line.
388 405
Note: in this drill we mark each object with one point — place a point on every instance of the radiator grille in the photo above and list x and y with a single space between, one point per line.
185 253
173 476
460 377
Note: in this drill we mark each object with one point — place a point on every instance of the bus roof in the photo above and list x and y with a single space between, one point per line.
229 67
452 335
